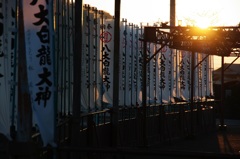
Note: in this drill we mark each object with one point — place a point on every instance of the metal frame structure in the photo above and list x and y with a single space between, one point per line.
220 41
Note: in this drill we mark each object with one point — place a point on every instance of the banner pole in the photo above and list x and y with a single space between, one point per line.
116 72
24 102
77 72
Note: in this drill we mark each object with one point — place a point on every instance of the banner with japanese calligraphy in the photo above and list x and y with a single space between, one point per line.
7 66
96 59
185 74
136 66
87 60
197 77
171 72
122 63
166 73
151 74
38 26
107 50
175 79
207 76
210 66
203 79
131 64
99 67
157 77
4 107
140 64
128 66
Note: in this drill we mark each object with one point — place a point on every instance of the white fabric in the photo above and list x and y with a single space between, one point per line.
7 73
39 54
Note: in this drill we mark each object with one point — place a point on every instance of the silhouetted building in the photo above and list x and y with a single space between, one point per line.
231 89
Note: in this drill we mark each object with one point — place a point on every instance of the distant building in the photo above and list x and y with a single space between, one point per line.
231 89
231 74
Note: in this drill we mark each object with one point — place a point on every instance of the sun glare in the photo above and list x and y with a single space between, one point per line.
203 23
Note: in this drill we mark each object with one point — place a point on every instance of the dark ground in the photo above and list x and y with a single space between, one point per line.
218 144
213 145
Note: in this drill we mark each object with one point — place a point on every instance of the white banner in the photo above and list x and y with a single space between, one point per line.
96 59
185 74
4 90
136 67
127 70
208 76
197 78
176 84
150 74
107 50
7 66
38 25
132 64
87 61
139 65
122 68
166 73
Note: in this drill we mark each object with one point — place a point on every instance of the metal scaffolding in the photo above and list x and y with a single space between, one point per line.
220 41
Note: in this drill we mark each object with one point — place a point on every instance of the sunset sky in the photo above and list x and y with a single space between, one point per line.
190 12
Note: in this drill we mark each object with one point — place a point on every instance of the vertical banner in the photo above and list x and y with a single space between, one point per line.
184 74
7 66
87 60
107 39
100 57
59 56
38 25
4 98
157 74
176 86
122 63
140 63
150 73
96 59
196 77
170 74
200 76
165 65
154 69
131 63
208 80
128 86
204 76
210 77
69 56
84 66
136 81
12 57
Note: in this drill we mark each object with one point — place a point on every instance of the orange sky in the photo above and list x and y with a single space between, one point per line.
190 12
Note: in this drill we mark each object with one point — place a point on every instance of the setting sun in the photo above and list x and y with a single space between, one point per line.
202 13
203 23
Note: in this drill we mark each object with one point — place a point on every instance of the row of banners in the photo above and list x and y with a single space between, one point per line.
49 41
168 73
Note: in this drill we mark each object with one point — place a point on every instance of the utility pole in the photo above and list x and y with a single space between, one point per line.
172 12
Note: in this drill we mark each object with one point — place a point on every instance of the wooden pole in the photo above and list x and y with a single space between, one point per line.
24 101
77 73
116 73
